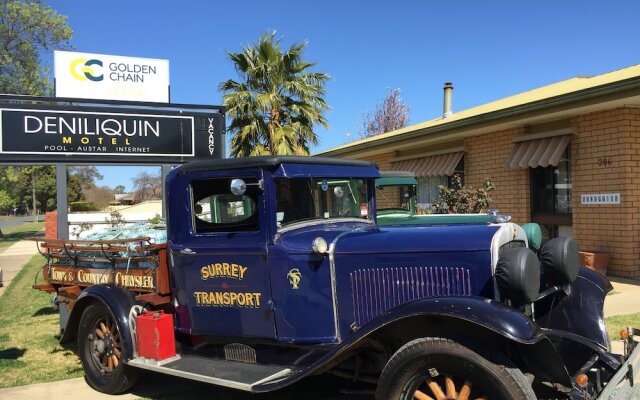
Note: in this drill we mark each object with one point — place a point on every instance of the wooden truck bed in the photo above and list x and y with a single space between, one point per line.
136 264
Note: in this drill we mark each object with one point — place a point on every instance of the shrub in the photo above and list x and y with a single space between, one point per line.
461 199
81 206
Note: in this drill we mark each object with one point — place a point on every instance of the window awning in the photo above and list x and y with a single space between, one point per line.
539 152
437 165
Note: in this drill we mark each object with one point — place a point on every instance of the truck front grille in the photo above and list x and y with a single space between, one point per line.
378 289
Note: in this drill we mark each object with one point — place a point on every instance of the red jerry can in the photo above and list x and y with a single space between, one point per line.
154 330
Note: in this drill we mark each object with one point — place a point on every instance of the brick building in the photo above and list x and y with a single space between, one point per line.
565 155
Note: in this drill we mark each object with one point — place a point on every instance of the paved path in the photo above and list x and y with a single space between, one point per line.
70 389
13 258
625 299
77 389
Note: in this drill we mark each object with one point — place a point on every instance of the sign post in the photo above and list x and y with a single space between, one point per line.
61 200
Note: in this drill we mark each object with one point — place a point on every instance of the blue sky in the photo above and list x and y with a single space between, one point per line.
488 49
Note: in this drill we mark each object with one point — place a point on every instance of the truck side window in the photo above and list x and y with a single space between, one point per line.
216 209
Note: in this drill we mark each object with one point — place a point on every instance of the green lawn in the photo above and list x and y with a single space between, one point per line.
29 348
619 322
18 232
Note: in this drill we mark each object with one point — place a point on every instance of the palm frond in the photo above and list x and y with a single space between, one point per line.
276 102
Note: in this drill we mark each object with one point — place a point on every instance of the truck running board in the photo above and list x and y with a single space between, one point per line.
231 374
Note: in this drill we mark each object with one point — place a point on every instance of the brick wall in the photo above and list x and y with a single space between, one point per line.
51 225
605 156
383 160
388 197
486 157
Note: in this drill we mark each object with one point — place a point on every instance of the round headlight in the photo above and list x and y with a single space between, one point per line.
319 245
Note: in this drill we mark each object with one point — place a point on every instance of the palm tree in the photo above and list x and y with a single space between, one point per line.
278 101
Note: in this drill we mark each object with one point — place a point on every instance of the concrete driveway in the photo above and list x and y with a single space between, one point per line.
13 258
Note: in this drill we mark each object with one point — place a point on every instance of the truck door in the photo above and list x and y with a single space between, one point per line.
220 265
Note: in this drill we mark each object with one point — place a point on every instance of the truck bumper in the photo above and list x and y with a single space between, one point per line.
621 385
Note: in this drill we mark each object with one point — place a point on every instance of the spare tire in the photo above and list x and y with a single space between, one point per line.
560 260
518 275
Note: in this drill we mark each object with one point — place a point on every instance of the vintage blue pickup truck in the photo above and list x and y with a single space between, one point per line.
275 270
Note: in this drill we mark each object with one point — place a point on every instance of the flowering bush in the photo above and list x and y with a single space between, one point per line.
461 199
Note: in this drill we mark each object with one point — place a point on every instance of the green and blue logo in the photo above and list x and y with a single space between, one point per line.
83 69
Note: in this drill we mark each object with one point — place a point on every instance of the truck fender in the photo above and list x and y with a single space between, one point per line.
470 316
476 315
118 300
497 317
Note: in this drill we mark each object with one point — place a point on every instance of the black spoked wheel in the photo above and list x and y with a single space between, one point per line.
101 351
441 369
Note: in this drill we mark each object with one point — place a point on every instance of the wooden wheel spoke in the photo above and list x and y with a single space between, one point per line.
109 363
116 352
418 395
465 391
450 387
115 360
436 390
482 398
103 327
99 333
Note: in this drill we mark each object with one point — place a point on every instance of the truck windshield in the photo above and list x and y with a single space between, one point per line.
317 198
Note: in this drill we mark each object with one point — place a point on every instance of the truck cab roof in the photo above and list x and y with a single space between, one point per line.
269 162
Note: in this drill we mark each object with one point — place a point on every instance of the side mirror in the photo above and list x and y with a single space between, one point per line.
238 187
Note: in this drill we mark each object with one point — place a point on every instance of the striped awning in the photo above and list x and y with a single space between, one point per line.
539 152
437 165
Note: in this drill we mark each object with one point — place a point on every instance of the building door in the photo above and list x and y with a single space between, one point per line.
551 195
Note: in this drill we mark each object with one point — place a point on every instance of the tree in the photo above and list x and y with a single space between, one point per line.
30 188
461 199
6 202
147 187
86 175
99 195
28 28
277 103
119 189
387 116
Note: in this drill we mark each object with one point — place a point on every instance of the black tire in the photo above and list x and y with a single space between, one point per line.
438 361
102 357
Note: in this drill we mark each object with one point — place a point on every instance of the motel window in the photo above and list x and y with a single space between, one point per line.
428 186
551 191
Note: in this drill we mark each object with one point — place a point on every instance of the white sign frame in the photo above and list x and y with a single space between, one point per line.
109 77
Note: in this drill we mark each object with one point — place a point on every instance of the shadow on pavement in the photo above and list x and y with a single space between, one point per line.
325 387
